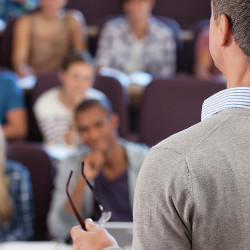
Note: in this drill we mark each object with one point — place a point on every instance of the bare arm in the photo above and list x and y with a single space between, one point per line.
78 30
16 125
21 45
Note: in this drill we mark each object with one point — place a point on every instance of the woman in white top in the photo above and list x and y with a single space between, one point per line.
55 107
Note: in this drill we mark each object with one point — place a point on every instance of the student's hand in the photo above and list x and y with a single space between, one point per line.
93 164
25 70
95 238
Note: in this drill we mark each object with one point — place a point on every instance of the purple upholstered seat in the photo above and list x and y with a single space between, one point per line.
171 105
115 92
44 82
41 171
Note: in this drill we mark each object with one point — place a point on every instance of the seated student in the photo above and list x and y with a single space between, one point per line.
15 8
204 66
13 115
137 42
43 38
54 108
16 199
111 163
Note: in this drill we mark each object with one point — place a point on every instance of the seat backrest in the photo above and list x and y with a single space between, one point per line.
6 44
40 167
115 92
171 105
44 82
176 28
196 28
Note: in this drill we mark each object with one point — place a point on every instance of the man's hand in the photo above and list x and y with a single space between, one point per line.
93 164
95 238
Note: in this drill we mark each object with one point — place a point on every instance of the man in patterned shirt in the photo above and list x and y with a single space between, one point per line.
137 42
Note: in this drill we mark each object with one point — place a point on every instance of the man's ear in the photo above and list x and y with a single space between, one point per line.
224 29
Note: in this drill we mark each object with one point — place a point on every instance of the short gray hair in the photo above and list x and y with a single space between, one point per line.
238 14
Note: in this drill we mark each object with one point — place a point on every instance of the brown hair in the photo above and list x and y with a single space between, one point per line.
5 202
75 57
238 14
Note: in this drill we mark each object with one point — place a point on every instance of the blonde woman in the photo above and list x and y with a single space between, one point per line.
16 200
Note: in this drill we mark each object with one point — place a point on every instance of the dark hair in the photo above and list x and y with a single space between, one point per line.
89 103
123 2
76 56
238 14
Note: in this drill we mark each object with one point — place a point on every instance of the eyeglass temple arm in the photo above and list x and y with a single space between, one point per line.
92 189
73 206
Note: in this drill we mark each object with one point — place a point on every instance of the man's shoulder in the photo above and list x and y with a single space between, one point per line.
158 25
117 22
76 157
187 140
135 147
136 153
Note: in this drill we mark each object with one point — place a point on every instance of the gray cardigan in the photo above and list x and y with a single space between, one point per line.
60 221
197 183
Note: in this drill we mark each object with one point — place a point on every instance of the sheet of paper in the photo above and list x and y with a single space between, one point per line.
34 246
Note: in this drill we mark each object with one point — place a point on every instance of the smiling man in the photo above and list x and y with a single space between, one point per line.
111 163
193 190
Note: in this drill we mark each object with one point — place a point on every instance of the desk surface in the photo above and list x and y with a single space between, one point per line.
38 245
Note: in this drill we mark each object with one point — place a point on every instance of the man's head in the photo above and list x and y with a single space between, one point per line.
238 14
97 124
229 37
137 10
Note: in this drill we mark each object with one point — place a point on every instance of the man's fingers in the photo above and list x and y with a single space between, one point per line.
75 229
90 226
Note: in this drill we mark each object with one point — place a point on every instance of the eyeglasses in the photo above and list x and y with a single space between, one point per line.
105 215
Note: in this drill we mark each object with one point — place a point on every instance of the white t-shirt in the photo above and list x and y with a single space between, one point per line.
54 118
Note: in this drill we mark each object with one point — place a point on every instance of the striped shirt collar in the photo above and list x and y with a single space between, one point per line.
231 98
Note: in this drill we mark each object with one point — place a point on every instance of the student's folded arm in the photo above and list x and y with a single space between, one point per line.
78 30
